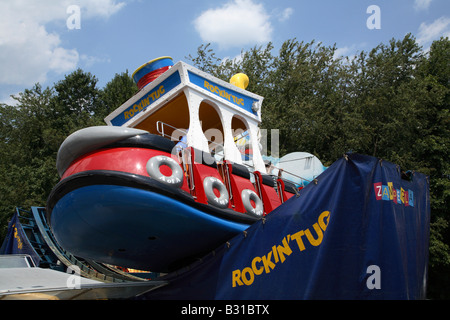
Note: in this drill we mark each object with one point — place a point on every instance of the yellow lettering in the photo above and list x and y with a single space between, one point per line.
402 195
275 253
19 241
391 191
314 242
284 250
323 215
256 270
145 103
268 264
237 278
298 237
248 281
281 252
223 93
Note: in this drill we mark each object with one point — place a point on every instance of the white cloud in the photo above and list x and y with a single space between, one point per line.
286 14
433 31
88 61
422 4
7 99
349 51
237 23
101 8
28 52
342 52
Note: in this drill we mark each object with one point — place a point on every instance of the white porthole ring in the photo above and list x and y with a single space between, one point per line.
154 170
211 183
248 196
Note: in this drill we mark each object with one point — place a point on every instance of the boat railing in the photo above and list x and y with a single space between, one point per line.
216 149
183 155
160 127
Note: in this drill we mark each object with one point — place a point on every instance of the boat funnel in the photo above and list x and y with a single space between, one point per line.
151 70
240 80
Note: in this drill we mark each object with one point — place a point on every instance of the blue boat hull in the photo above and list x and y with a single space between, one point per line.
136 228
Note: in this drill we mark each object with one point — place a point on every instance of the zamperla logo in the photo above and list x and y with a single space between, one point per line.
390 193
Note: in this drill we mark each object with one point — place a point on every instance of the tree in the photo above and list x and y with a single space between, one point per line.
206 60
27 151
32 131
116 92
432 153
386 97
391 102
77 99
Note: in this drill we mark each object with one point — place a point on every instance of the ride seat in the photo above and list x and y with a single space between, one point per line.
202 165
267 191
239 180
286 189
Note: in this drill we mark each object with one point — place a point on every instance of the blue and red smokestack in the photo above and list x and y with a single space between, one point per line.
150 71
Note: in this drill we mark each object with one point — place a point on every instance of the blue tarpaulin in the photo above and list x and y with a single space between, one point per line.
361 231
16 241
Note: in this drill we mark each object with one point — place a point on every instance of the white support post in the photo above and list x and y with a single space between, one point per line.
230 149
195 136
258 162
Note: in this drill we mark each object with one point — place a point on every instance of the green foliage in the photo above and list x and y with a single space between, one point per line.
391 102
32 131
116 92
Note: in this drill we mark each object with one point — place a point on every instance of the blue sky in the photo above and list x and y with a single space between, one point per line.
40 42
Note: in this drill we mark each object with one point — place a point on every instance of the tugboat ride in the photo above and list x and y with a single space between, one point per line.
176 172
